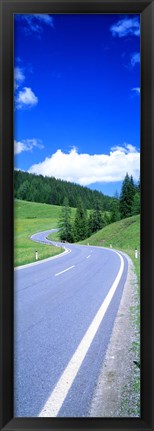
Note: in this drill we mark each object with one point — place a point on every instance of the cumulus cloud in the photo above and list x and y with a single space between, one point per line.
135 58
126 27
33 23
26 98
125 149
27 145
136 90
86 169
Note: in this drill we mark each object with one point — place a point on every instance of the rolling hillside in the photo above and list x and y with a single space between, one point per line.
123 235
29 218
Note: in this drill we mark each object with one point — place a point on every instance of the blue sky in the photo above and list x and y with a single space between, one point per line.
77 97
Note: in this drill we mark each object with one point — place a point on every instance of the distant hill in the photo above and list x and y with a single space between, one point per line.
49 190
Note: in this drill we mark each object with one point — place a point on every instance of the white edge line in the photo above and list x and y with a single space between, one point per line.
67 250
67 269
59 393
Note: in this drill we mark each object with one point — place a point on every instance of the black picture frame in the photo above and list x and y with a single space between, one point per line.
146 10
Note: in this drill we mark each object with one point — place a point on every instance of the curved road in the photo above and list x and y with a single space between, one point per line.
64 311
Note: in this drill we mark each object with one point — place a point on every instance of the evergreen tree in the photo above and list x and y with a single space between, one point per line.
106 218
115 211
132 188
91 224
65 224
127 196
136 204
24 191
95 221
53 191
80 222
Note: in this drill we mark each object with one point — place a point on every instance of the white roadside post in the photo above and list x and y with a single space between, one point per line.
36 255
136 253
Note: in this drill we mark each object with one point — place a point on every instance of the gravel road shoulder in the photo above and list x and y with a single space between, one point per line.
115 394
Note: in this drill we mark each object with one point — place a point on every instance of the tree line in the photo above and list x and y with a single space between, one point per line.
49 190
82 226
103 209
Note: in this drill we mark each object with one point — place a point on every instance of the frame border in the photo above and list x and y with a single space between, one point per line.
146 10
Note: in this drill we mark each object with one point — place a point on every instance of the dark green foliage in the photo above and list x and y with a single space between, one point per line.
106 209
136 204
65 225
24 190
80 222
36 188
127 196
107 218
115 211
95 221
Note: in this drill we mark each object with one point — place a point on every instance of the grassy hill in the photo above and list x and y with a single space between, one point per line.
29 218
122 235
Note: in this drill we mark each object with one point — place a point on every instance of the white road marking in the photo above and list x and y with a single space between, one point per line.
67 269
88 256
59 393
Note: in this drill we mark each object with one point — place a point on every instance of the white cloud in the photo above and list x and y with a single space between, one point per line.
34 22
125 149
86 169
136 90
135 58
27 145
26 98
18 74
19 77
126 27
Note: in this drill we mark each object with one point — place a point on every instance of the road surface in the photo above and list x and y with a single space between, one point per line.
64 311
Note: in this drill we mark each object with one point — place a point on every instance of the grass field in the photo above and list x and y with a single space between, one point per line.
122 235
29 218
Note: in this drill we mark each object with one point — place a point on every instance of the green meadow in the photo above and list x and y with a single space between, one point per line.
122 235
30 218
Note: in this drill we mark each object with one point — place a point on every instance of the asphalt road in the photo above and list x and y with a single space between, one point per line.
64 311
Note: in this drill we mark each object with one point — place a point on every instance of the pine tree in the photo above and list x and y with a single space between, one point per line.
24 191
136 204
95 221
106 218
80 222
65 225
127 196
115 211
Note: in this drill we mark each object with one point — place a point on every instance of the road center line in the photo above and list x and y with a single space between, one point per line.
59 393
67 269
88 256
